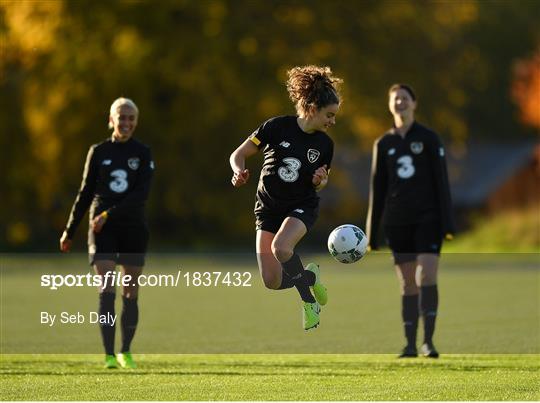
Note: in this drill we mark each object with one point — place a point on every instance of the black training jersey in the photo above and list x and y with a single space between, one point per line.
291 156
116 179
409 181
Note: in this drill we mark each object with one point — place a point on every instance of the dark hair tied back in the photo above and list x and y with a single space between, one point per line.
404 87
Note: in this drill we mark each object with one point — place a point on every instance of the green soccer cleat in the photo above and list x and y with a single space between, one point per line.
126 360
110 362
319 290
311 315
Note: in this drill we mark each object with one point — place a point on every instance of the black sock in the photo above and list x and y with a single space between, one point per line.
286 281
130 317
106 308
429 302
410 313
295 270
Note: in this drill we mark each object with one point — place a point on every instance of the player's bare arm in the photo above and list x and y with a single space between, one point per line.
238 162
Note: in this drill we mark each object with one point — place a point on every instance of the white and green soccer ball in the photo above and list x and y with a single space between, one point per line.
347 243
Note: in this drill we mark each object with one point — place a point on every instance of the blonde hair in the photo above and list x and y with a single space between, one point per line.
312 88
119 102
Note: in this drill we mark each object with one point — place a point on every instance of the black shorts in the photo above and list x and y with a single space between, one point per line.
407 241
123 244
270 219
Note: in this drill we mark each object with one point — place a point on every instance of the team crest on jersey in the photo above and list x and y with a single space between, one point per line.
417 147
133 163
313 155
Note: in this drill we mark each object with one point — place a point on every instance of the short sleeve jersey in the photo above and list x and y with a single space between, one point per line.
409 180
116 179
291 156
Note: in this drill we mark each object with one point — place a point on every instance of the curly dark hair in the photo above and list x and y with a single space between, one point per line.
312 88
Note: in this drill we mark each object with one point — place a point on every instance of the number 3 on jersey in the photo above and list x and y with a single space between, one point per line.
406 168
120 183
289 173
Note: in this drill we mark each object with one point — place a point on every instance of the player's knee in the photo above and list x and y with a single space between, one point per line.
271 281
409 289
427 281
426 278
281 251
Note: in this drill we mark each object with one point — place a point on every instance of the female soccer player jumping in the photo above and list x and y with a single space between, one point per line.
297 157
115 186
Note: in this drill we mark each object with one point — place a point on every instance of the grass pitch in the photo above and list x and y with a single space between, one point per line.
272 377
224 343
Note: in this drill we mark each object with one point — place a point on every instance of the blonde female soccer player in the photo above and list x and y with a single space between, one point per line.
115 185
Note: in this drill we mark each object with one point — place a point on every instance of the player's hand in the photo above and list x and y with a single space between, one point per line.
98 223
320 176
240 178
65 243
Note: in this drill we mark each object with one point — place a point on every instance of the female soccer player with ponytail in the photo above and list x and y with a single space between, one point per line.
411 196
297 158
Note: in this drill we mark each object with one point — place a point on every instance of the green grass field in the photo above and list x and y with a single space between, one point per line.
507 231
246 343
272 377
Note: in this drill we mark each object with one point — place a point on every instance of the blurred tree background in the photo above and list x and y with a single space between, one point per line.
206 73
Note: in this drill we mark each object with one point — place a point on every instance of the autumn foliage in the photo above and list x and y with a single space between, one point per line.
206 73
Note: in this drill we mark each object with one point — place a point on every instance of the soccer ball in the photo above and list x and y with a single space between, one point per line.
347 243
